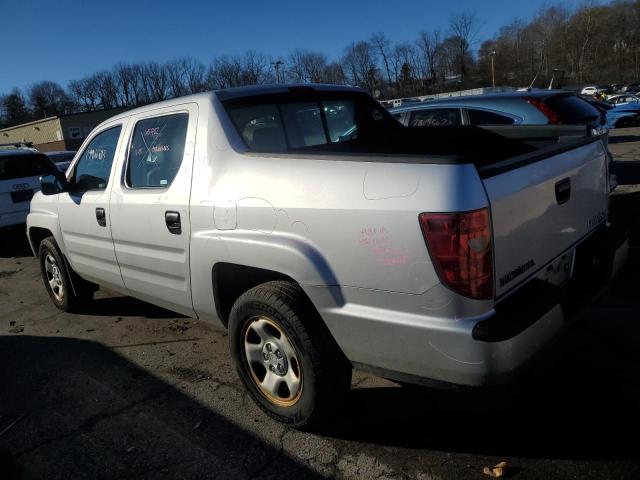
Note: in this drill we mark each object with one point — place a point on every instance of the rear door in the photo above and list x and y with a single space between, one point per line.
84 211
541 209
150 207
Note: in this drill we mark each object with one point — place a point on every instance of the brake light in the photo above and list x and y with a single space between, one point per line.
460 245
544 108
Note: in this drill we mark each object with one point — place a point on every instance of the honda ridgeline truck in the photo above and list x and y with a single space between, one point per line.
325 235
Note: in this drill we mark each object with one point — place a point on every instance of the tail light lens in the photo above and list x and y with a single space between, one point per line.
460 245
545 109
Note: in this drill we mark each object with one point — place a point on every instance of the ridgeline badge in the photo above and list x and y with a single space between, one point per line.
516 272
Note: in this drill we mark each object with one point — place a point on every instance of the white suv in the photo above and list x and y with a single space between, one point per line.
20 171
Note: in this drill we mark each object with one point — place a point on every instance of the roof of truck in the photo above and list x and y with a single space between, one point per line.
250 91
234 93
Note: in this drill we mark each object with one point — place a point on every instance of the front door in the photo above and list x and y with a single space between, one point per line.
150 207
84 211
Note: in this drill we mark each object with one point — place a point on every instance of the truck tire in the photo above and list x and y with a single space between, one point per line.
284 355
56 277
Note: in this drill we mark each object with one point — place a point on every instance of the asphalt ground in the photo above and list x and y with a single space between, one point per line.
129 390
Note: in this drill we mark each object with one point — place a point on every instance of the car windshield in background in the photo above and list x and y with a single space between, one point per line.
279 127
21 166
572 109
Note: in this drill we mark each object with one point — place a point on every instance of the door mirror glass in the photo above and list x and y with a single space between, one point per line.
53 183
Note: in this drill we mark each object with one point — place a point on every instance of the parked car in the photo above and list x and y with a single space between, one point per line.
626 115
62 159
622 99
617 87
531 107
20 171
448 254
632 88
590 90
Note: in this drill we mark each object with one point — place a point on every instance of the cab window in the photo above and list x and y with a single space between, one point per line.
156 151
294 125
94 165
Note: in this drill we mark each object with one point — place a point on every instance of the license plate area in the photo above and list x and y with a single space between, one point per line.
22 196
559 271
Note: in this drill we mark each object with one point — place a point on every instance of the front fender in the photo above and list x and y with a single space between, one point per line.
44 215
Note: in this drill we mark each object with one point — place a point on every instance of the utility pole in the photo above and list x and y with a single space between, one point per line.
492 54
276 65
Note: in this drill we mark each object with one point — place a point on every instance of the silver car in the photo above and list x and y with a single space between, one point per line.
534 107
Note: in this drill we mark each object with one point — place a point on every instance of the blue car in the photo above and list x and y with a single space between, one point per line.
627 115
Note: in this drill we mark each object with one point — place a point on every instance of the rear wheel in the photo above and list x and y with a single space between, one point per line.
56 276
285 357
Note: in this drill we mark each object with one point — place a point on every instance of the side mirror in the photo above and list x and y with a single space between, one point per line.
53 183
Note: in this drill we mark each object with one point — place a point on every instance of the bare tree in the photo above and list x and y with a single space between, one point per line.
306 67
360 66
429 45
85 93
48 99
256 68
14 109
382 46
464 30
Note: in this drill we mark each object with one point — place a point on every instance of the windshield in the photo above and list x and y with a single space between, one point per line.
20 166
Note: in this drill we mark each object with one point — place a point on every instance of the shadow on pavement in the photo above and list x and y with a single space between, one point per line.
627 171
90 413
625 211
14 243
623 138
580 403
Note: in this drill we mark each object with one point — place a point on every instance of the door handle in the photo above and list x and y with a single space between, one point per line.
172 220
101 217
563 191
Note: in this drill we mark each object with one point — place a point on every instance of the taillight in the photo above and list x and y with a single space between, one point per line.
544 108
461 249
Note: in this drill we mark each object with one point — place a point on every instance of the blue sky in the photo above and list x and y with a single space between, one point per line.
68 39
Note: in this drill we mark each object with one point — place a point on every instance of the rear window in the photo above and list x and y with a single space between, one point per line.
280 127
21 166
571 109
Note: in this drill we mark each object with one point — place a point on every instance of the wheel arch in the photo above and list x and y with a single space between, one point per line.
230 280
36 235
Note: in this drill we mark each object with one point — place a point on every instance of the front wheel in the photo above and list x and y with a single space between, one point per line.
285 357
55 275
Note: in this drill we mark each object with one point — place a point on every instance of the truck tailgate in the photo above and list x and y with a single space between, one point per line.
542 205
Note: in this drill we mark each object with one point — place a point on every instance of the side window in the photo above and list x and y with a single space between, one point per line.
156 151
341 119
436 117
94 166
482 117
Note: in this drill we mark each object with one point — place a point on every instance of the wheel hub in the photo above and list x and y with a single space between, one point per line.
274 359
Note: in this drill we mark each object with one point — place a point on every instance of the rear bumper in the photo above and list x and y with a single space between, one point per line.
495 348
13 218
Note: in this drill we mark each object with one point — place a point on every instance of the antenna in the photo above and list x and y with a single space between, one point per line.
532 82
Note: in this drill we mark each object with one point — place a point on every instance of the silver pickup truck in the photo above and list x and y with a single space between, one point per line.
325 235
